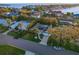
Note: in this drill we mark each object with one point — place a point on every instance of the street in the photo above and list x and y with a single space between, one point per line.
32 46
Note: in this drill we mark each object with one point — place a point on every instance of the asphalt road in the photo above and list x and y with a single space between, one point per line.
32 46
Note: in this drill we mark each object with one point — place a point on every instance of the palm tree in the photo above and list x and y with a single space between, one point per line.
9 21
21 26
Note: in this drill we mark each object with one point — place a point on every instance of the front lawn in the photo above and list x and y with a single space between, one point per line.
9 50
27 35
31 37
3 28
17 33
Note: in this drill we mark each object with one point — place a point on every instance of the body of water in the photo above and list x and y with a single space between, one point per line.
75 10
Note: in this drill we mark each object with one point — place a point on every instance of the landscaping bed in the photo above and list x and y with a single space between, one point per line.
9 50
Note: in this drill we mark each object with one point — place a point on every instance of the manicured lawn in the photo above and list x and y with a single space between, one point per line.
2 28
17 34
9 50
12 33
31 37
25 35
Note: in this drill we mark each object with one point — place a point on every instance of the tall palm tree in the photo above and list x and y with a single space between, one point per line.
9 21
21 26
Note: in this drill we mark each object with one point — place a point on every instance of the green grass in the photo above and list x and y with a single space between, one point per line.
25 35
3 28
9 50
17 34
12 33
31 37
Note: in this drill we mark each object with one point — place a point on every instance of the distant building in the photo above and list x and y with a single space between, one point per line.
36 14
9 14
57 13
63 22
42 27
53 13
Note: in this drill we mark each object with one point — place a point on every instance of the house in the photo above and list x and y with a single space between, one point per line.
36 14
10 14
53 13
57 13
63 22
42 27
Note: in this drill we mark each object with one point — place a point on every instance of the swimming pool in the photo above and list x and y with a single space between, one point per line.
3 22
25 24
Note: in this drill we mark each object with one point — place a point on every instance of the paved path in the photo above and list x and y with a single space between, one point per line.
44 40
45 37
31 46
5 33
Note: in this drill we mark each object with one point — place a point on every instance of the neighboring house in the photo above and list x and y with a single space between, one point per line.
36 14
63 22
9 14
41 27
46 11
57 13
53 13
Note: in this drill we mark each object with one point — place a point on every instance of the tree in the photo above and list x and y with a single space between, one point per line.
9 21
32 24
19 18
14 18
70 13
39 8
64 34
49 20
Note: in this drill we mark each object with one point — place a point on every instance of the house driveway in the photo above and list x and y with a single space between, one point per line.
32 46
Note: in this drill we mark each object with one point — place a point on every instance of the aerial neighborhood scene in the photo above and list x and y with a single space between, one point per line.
39 29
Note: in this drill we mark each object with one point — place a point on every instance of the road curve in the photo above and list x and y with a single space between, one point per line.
32 46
